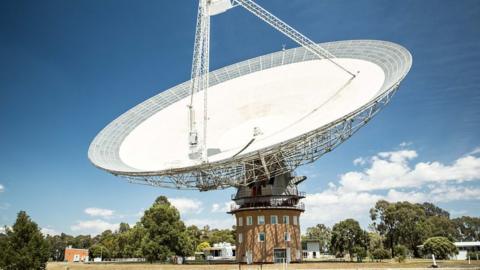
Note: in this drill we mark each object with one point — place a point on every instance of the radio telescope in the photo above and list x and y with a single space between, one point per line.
251 124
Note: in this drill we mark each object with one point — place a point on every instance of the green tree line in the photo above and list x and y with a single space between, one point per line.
397 230
158 235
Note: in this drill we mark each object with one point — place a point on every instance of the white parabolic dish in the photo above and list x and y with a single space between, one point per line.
303 106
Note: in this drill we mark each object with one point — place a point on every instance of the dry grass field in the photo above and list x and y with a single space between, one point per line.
419 264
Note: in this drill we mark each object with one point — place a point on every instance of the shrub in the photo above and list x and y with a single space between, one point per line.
473 255
441 247
202 246
401 252
360 253
380 254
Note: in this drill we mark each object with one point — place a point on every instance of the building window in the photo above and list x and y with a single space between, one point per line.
240 238
249 220
286 236
273 219
295 220
261 220
261 237
286 220
240 221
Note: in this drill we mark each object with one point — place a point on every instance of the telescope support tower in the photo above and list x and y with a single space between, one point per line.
267 215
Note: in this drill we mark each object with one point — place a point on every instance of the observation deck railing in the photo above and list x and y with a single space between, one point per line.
269 192
236 207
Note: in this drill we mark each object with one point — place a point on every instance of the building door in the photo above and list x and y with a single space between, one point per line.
249 257
279 255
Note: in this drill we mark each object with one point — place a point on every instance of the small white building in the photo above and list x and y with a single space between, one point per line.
312 250
464 248
220 251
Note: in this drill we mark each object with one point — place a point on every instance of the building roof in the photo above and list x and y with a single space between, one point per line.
310 240
82 249
467 244
218 248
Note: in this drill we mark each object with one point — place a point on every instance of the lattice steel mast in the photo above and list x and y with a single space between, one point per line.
199 80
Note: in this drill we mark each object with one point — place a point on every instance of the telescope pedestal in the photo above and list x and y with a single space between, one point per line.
267 216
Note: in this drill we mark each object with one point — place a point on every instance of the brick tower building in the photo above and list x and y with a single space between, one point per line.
267 216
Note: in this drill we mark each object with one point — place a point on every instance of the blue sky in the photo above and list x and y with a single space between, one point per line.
70 67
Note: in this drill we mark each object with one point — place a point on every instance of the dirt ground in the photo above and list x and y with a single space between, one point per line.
419 264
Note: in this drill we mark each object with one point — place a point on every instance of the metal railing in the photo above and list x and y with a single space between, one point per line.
299 206
282 192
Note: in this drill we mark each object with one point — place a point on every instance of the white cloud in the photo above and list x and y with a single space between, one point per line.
411 196
475 151
333 205
400 156
392 170
390 176
443 193
185 205
49 231
359 161
219 208
99 212
2 188
93 226
2 228
405 144
448 193
463 169
224 223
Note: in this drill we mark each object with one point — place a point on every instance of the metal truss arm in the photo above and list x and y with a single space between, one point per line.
289 32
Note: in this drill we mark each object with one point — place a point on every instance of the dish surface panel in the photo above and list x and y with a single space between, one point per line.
303 106
282 102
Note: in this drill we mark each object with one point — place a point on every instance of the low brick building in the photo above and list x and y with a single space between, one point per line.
76 254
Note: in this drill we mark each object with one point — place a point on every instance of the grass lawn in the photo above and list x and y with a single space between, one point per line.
316 265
